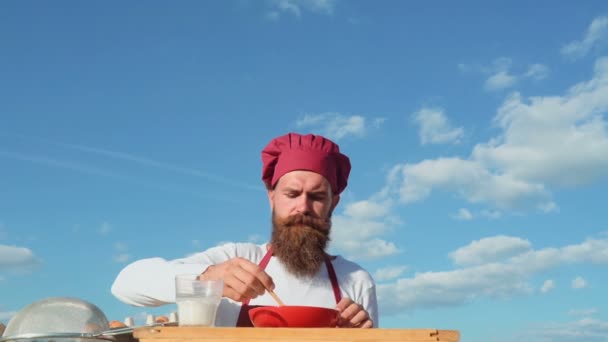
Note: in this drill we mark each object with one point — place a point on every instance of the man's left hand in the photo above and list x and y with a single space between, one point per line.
352 315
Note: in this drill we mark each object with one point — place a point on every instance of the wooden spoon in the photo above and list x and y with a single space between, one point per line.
275 297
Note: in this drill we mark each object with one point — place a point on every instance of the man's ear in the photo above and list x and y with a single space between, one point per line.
334 202
270 198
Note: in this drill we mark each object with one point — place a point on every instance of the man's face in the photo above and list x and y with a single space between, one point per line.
302 204
302 192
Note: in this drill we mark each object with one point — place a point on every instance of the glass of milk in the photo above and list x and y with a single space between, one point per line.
197 300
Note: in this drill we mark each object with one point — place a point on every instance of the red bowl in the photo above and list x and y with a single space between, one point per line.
293 317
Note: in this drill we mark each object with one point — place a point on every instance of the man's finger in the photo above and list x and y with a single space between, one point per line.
344 303
359 318
257 272
249 280
350 311
367 324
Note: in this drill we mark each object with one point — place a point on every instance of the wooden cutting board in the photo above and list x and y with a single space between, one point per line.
190 334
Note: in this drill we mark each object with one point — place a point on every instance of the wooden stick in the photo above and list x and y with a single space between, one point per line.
275 297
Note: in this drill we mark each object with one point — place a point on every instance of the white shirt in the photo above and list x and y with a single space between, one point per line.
151 282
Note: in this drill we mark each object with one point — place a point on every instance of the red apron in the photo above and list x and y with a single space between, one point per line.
245 321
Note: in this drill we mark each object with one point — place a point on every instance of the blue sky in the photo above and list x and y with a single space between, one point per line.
477 133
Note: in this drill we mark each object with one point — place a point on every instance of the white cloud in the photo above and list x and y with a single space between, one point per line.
17 258
495 279
551 141
254 238
548 285
105 229
583 312
500 80
558 140
463 67
585 329
120 246
335 125
377 122
122 254
367 209
491 249
389 273
288 6
122 258
435 127
597 32
548 207
470 179
296 7
357 231
537 72
500 76
579 283
463 214
273 15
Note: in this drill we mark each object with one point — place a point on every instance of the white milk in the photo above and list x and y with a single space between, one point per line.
197 311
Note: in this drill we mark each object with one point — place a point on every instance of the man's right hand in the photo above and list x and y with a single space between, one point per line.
242 278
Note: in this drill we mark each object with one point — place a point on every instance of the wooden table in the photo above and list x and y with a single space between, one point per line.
191 334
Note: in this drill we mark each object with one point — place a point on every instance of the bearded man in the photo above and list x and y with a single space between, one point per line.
304 176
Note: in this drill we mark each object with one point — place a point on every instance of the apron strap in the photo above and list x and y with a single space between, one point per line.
334 279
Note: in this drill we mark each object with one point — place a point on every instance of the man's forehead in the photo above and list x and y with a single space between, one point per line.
302 178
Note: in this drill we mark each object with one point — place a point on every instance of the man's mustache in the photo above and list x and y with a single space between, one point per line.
319 224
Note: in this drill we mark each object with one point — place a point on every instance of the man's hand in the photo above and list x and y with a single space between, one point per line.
352 315
242 278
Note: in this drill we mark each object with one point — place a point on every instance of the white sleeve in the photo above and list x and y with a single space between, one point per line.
151 282
370 304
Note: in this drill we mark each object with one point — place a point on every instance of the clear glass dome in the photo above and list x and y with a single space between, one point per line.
57 315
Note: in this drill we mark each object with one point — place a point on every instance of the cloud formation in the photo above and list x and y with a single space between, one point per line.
579 283
14 258
435 127
388 273
597 33
500 75
358 230
504 274
297 7
583 312
548 285
543 142
463 214
121 254
585 329
489 249
337 126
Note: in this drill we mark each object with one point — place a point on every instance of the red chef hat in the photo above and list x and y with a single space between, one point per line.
315 153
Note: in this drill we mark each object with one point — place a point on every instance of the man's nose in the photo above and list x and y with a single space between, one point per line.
303 205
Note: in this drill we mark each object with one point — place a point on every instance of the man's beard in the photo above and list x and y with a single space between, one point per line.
299 241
